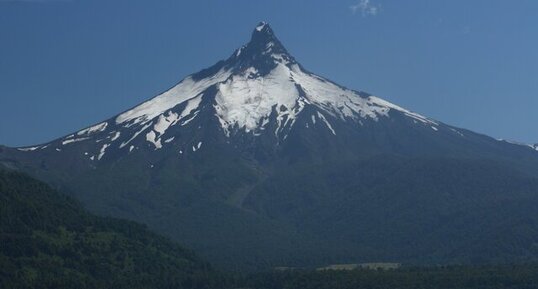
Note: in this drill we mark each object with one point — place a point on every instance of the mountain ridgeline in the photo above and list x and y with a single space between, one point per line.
257 162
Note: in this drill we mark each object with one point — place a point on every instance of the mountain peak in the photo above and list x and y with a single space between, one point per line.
260 89
262 25
262 52
263 30
264 41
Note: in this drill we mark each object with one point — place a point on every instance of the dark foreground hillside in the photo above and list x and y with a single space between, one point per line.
48 241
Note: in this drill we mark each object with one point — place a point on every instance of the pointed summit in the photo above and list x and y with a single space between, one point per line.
262 25
262 31
264 40
263 51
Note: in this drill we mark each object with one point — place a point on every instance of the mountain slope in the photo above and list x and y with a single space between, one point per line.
257 162
49 241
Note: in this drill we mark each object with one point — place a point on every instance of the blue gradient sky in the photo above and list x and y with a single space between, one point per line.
67 64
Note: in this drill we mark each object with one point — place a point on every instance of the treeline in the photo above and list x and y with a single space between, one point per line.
453 277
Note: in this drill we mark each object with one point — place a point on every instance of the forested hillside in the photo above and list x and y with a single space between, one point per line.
48 241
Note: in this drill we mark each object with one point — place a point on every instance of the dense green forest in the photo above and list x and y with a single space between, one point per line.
48 241
453 277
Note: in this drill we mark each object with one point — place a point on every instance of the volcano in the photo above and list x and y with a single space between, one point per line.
256 162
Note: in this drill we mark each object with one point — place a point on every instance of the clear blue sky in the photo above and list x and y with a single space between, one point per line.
67 64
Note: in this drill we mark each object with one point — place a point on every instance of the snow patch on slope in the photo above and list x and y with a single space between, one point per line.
322 117
195 148
96 128
532 146
73 140
334 99
416 116
185 90
244 102
135 135
102 151
115 136
191 106
27 149
165 121
152 138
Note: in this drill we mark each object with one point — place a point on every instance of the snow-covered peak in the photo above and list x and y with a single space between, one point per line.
259 81
260 86
262 54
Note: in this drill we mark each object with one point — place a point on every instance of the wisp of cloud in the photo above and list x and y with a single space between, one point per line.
365 7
